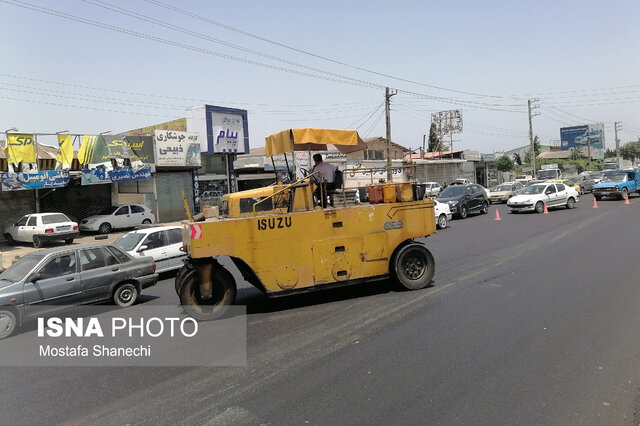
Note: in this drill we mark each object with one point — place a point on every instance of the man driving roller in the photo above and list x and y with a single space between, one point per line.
325 177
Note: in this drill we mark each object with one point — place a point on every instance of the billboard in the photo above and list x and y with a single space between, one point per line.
40 180
222 130
177 149
582 137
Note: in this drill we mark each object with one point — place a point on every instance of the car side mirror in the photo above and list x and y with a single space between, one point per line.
143 248
35 277
547 192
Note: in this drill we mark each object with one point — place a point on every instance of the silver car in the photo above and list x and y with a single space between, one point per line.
52 279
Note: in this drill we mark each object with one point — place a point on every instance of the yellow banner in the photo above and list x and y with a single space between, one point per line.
21 148
65 150
86 148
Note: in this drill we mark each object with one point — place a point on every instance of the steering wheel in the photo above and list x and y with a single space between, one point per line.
304 171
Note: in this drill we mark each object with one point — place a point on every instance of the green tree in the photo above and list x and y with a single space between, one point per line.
505 163
610 153
435 144
536 149
517 159
630 151
576 154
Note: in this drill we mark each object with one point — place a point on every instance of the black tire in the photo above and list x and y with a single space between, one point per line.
514 211
146 222
582 190
442 221
597 197
104 228
8 323
485 208
224 294
463 212
180 276
37 241
68 241
413 266
10 239
125 295
571 203
539 207
624 193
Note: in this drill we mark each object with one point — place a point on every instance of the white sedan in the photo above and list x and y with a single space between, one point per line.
115 217
534 197
443 214
163 243
40 227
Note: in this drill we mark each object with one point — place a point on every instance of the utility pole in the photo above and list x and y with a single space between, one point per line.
617 126
387 103
533 151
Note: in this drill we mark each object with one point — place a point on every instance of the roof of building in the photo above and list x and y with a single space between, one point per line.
433 155
560 155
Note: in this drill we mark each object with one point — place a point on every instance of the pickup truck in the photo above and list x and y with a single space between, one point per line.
618 183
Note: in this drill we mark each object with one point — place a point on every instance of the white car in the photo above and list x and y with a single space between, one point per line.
115 217
40 227
443 214
431 189
534 197
163 243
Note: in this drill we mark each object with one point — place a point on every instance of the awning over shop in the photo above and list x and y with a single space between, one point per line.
346 141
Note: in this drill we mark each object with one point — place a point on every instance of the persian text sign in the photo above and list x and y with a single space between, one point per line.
40 180
119 174
177 149
228 133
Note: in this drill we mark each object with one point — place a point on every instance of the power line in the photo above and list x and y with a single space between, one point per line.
257 37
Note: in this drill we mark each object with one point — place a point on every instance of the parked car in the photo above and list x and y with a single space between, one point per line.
443 214
585 182
523 178
40 227
162 243
51 279
431 189
504 191
460 182
463 199
116 217
596 176
534 197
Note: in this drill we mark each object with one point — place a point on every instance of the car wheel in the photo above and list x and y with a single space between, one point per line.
223 294
413 266
571 203
463 212
514 211
125 295
146 221
597 197
539 207
104 228
582 190
485 208
68 241
624 193
8 323
10 239
37 241
442 221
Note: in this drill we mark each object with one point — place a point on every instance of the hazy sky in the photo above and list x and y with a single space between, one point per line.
581 59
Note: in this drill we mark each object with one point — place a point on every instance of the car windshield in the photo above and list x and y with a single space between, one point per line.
21 268
534 189
614 177
108 210
129 241
503 188
453 191
54 218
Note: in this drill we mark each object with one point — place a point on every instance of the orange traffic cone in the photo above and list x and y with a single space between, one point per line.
545 209
497 215
626 198
595 203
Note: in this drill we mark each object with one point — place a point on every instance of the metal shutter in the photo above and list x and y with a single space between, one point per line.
169 185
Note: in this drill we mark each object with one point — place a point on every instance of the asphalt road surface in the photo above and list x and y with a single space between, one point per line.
533 319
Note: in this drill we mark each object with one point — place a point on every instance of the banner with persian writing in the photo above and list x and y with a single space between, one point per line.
118 174
177 149
40 180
